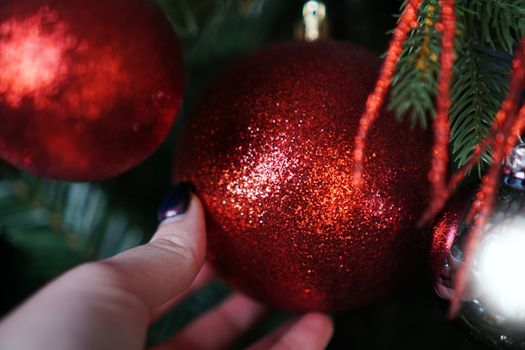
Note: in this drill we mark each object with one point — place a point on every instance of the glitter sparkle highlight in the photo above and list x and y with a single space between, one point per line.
36 58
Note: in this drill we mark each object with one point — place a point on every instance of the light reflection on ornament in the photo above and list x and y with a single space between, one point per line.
314 14
500 277
262 173
37 54
271 168
32 58
514 168
493 305
87 89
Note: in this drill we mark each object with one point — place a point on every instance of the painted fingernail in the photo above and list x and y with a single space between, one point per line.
176 202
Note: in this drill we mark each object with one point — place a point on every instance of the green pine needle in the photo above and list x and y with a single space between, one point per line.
479 88
414 84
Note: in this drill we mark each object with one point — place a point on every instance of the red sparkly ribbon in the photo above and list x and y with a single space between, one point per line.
438 173
375 101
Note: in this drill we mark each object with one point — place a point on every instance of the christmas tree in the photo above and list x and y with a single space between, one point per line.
49 226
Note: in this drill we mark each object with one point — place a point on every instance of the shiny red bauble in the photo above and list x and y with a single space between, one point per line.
269 151
88 89
445 230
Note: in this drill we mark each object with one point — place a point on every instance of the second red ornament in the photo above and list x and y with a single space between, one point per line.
88 89
269 151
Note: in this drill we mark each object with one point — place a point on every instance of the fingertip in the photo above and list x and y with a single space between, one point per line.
229 321
176 202
162 269
186 229
320 323
176 208
313 331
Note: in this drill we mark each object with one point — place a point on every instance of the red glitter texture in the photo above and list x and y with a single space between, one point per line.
445 229
443 263
87 89
270 152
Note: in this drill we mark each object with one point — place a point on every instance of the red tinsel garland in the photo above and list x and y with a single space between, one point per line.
438 172
407 22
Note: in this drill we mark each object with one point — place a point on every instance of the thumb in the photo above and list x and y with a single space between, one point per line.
107 304
166 266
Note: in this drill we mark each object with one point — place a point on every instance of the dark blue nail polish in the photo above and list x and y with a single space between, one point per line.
176 202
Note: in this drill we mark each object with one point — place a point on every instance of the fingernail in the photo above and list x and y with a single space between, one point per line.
176 202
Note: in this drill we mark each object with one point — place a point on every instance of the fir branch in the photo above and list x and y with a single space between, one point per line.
190 18
40 215
488 32
501 23
481 72
414 84
480 85
211 28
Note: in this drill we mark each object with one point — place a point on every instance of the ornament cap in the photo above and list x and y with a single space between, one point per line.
314 24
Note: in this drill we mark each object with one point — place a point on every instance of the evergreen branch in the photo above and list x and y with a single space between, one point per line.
190 18
479 88
501 23
211 28
220 36
59 225
481 75
414 84
488 32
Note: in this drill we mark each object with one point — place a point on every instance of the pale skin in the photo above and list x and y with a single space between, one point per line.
110 304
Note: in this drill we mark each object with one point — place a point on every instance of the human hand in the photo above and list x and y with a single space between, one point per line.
110 304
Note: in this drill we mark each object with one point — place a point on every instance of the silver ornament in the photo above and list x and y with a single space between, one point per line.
494 303
514 168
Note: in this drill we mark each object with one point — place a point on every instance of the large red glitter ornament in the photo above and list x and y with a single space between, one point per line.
270 152
88 89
